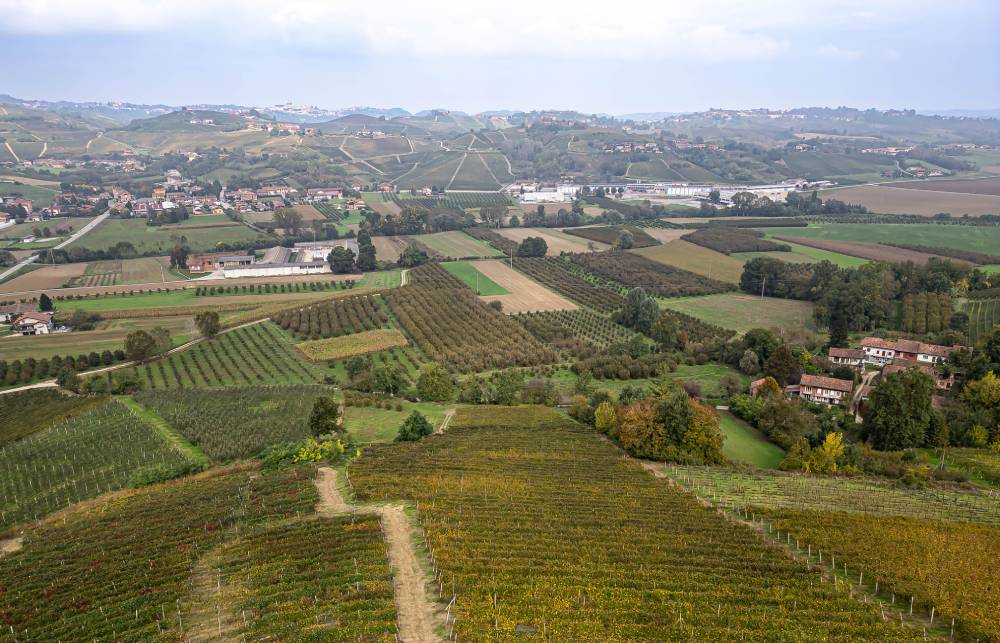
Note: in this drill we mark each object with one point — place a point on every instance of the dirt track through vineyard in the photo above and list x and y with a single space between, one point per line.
415 613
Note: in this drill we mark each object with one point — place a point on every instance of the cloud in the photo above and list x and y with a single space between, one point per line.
711 30
833 51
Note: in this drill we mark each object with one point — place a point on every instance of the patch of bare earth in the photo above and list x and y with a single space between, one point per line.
389 248
415 612
556 241
525 296
665 235
10 545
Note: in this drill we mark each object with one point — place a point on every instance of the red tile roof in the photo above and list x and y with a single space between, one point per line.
832 383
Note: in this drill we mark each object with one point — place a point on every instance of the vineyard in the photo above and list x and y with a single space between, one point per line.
253 355
656 278
947 565
409 359
236 423
610 235
455 200
498 241
554 273
551 534
28 412
77 459
984 316
331 575
781 491
122 569
334 318
452 327
265 289
981 464
729 239
369 341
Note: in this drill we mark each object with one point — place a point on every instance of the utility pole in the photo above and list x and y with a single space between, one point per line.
762 283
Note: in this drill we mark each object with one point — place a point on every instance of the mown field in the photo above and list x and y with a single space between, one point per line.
741 312
467 273
538 526
696 259
456 245
201 237
959 237
746 445
890 199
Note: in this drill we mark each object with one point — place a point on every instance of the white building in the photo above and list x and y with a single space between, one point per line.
546 196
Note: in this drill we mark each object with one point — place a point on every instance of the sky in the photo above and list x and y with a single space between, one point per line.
593 57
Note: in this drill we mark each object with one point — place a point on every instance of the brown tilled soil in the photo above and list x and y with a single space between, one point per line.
874 251
389 248
922 202
556 240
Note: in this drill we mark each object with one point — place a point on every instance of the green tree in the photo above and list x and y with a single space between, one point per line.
288 220
605 418
703 437
625 240
412 256
69 380
208 323
749 363
532 247
323 417
366 252
413 428
783 366
435 384
899 411
44 303
506 387
139 346
341 260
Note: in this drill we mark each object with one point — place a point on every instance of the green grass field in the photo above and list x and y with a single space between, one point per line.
41 196
741 312
747 445
471 277
380 279
959 237
706 375
790 257
368 425
457 245
158 238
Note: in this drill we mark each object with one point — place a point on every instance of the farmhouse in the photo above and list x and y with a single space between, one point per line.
881 351
33 324
825 390
853 357
8 313
233 261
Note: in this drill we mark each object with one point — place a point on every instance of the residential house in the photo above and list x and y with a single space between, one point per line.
323 194
881 351
825 390
878 351
33 324
853 357
12 311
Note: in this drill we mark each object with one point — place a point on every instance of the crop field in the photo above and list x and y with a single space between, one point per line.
157 238
434 170
456 244
147 270
334 318
868 251
111 336
660 279
524 295
554 563
697 259
389 248
368 147
566 327
741 312
468 274
44 278
789 257
775 490
989 186
236 422
984 315
886 199
946 565
556 241
258 354
136 557
559 276
958 237
77 459
746 445
453 327
819 165
475 174
28 412
332 576
608 235
369 341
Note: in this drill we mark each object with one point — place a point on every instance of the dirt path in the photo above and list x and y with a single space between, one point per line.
450 413
403 277
415 612
457 169
206 612
10 545
11 150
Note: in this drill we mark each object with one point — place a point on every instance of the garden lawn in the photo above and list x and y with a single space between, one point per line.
473 278
747 445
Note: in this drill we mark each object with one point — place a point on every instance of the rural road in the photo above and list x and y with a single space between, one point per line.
73 237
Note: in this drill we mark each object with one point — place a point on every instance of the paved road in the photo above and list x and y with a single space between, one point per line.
73 237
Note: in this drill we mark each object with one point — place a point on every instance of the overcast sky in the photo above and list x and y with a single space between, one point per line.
640 56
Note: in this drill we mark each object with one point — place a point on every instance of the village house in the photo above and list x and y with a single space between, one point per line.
853 357
10 312
276 190
323 194
880 351
824 390
33 324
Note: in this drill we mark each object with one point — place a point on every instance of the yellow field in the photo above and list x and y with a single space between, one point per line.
370 341
699 260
